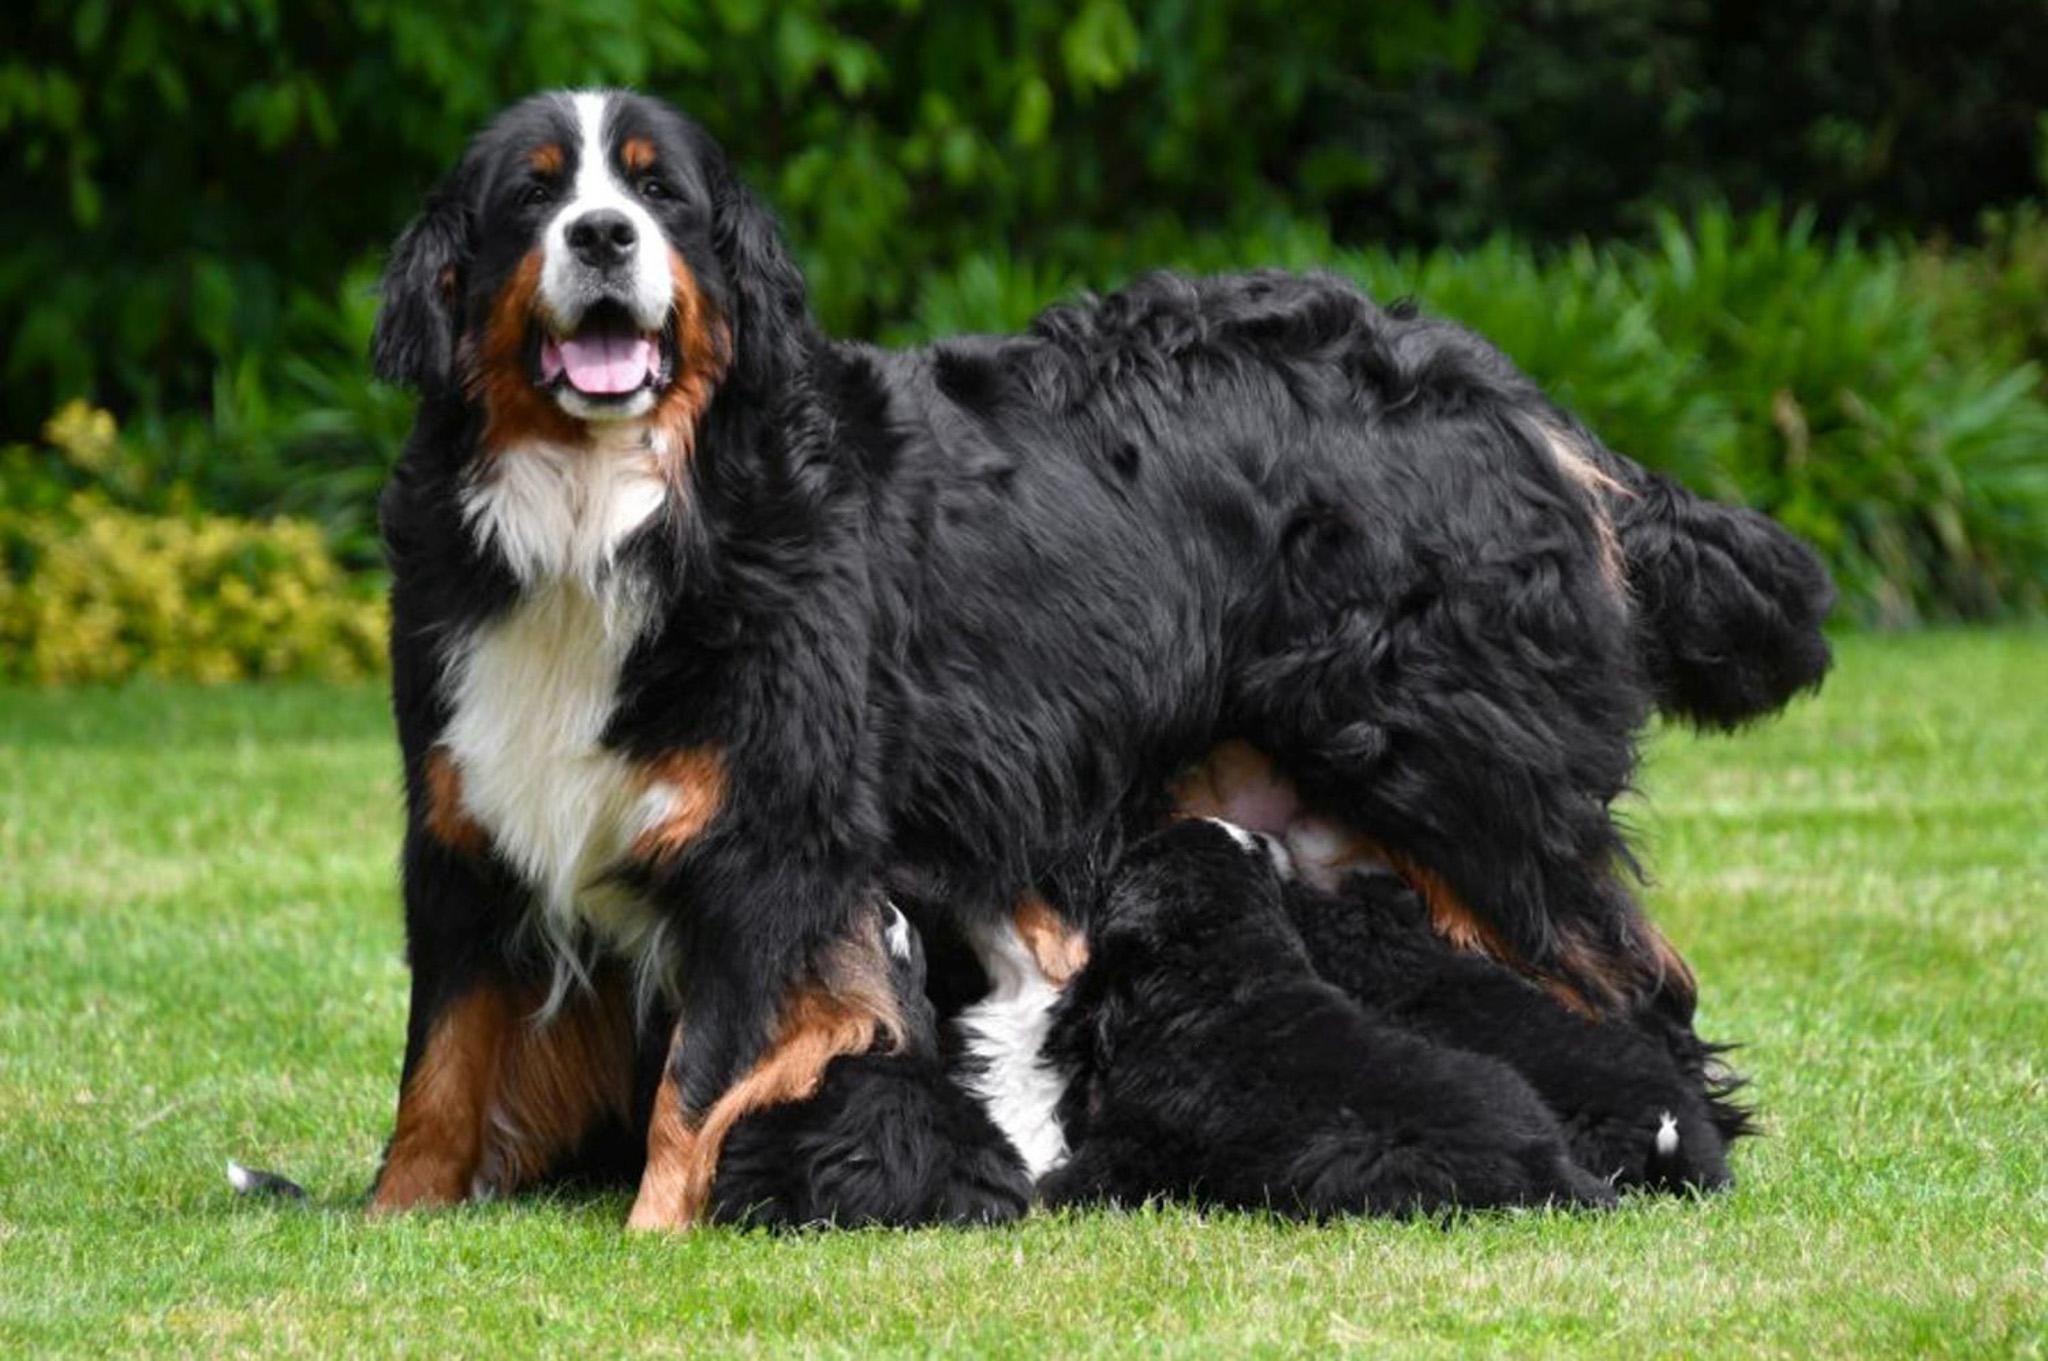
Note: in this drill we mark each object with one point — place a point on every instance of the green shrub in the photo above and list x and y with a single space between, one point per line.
96 593
1992 299
1917 470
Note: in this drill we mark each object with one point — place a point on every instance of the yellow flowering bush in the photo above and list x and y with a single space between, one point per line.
98 593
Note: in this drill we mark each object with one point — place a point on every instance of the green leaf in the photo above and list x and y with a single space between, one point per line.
1031 115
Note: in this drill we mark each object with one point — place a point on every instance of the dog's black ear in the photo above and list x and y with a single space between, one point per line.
414 341
771 321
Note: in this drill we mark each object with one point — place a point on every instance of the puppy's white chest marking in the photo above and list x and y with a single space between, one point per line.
531 692
1006 1032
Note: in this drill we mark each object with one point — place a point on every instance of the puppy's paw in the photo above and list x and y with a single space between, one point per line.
1660 1150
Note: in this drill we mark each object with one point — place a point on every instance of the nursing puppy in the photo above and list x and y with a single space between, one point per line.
1638 1097
1206 1059
890 1138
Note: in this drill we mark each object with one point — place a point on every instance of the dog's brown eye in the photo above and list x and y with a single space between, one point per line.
651 187
535 194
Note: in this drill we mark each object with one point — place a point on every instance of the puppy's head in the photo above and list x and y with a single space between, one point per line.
590 260
1194 881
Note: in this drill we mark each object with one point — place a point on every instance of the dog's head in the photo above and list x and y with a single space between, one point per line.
591 259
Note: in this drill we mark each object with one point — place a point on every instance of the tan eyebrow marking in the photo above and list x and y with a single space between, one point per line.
637 154
547 158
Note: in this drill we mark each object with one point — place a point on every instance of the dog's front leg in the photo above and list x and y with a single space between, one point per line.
741 1048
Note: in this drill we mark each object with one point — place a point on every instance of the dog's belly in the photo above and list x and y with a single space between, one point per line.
530 695
1240 785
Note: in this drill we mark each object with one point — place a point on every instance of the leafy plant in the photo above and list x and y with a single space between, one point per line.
94 593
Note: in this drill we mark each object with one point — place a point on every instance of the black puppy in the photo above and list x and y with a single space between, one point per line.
1207 1059
889 1138
1639 1098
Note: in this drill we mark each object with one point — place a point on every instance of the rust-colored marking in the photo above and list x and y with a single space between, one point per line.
558 1078
447 821
663 1201
547 159
437 1145
1449 915
497 1096
695 777
845 1010
704 348
1461 928
1672 970
1059 949
1599 488
500 378
1607 978
637 154
515 411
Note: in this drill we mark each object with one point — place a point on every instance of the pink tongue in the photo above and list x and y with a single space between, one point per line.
606 364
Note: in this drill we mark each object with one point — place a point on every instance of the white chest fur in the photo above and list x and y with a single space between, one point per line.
559 513
531 692
1005 1033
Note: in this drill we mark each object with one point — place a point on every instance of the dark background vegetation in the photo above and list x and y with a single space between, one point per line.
1788 250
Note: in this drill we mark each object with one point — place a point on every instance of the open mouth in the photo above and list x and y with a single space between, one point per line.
607 360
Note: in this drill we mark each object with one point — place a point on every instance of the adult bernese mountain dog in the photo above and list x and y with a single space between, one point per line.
705 627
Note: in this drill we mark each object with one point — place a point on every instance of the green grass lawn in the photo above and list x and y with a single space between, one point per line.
199 957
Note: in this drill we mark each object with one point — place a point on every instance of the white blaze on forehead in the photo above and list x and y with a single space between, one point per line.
567 285
1244 839
898 932
1275 850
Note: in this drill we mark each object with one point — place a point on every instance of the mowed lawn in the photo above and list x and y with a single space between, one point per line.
199 958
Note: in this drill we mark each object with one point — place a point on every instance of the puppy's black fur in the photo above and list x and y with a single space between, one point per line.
1633 1093
1208 1060
889 1139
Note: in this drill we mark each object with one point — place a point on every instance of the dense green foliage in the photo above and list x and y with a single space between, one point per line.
199 921
191 181
200 191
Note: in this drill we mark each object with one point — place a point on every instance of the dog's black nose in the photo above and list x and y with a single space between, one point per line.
603 238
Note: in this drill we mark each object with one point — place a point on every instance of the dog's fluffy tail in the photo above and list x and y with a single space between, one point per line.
1729 604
